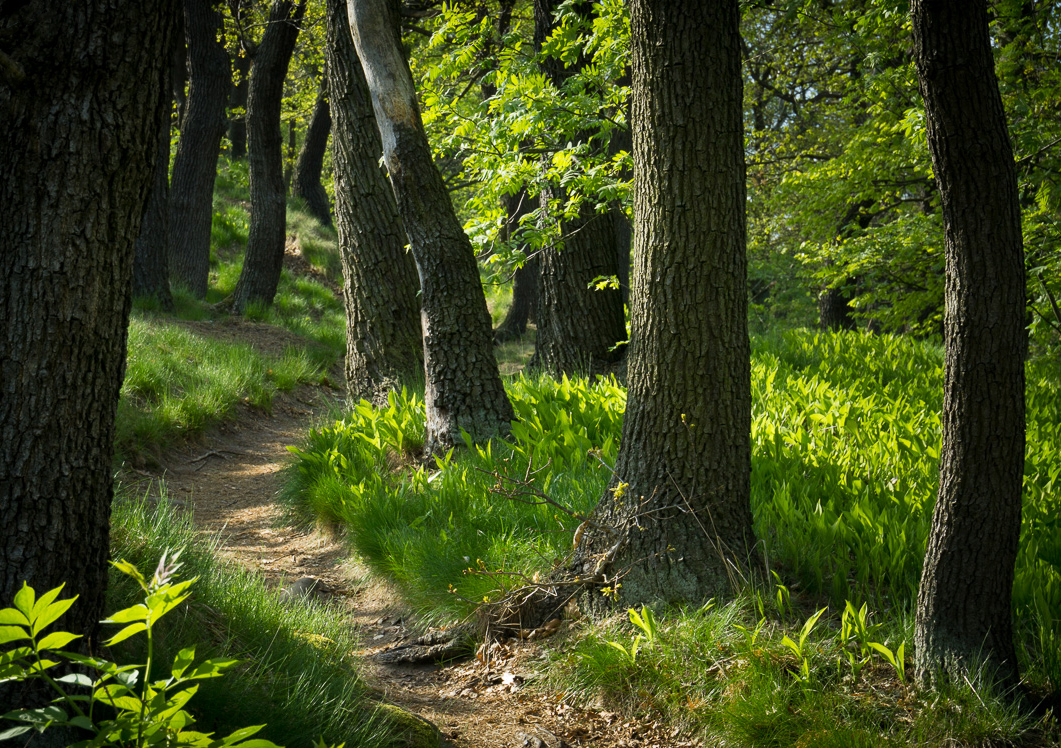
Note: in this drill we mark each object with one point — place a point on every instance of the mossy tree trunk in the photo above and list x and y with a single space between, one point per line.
81 110
676 523
964 616
383 341
463 386
264 258
191 203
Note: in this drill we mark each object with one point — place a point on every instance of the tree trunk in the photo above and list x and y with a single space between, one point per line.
195 163
264 259
80 110
524 306
307 183
524 281
383 342
834 310
463 385
676 524
151 263
963 609
578 326
237 121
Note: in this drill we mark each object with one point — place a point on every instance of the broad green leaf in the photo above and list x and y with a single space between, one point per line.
131 630
57 640
182 661
77 679
12 634
51 613
14 732
130 571
212 668
137 612
10 616
24 599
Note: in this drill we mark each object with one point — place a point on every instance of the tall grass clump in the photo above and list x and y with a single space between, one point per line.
296 673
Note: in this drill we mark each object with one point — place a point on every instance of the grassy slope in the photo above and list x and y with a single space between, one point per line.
183 378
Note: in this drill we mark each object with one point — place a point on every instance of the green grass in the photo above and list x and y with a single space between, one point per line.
178 382
846 446
723 675
296 673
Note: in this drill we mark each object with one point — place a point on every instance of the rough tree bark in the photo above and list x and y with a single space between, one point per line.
151 261
237 123
963 610
264 258
380 284
577 326
195 163
80 109
307 181
524 281
463 385
676 523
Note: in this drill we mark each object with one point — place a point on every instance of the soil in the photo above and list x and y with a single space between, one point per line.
230 479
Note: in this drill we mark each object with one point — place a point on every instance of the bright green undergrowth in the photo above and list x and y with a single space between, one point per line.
748 673
423 528
296 671
846 445
178 381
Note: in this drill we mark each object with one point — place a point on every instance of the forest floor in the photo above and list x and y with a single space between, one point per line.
231 477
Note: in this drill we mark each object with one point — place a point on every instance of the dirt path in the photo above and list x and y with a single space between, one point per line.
231 478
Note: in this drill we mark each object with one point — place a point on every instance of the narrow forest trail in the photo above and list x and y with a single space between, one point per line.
231 478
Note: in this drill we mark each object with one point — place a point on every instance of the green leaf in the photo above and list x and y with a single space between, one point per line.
77 679
212 668
138 612
24 599
131 630
14 732
182 661
240 734
50 613
57 640
10 616
129 570
12 634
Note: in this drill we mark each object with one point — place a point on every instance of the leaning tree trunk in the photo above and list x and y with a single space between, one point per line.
963 609
237 102
307 182
195 163
578 325
151 262
264 259
676 523
380 285
80 100
463 385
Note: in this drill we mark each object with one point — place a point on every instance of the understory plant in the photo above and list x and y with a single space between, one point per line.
111 704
